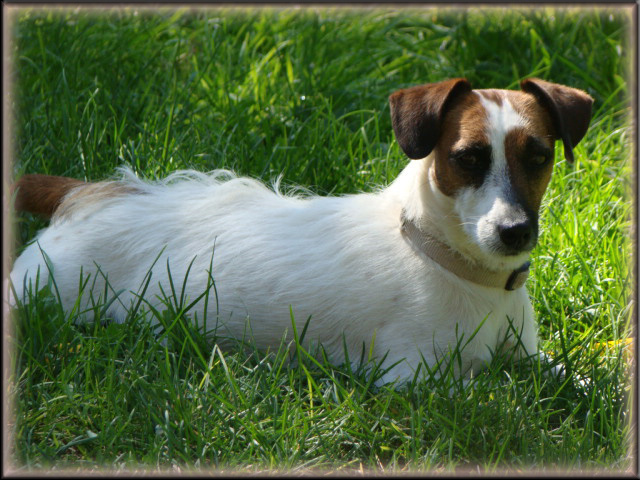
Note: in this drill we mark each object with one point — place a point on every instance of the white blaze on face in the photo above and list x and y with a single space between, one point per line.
483 209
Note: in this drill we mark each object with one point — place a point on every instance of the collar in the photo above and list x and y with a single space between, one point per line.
457 264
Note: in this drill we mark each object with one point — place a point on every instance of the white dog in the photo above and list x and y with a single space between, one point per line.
436 259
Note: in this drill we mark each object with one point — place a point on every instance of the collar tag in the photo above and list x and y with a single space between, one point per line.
518 277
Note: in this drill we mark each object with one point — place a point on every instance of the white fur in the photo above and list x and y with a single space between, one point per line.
340 260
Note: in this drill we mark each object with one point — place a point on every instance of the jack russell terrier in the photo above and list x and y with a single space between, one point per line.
436 259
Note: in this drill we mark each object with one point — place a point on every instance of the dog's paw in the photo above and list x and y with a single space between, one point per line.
559 372
552 368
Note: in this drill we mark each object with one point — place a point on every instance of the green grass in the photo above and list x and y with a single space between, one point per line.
304 93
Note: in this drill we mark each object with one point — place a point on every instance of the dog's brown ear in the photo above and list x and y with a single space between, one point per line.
570 110
417 113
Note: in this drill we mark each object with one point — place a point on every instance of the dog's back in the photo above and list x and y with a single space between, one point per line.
266 250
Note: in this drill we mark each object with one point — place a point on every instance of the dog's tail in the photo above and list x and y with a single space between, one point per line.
42 194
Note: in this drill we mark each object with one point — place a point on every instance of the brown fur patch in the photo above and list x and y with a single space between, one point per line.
416 114
492 95
56 197
463 126
42 194
529 181
538 120
569 110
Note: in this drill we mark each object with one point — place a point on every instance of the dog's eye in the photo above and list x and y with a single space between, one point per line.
539 160
468 161
473 159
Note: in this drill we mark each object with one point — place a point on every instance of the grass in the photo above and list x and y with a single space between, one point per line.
303 92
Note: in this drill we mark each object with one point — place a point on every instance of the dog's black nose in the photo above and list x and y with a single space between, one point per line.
516 236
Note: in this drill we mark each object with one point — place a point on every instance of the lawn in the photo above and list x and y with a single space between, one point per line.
303 92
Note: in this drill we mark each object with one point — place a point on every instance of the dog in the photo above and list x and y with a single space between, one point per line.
437 258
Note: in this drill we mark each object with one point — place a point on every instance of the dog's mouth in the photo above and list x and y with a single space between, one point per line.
506 251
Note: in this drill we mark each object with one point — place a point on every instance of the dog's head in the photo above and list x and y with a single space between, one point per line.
492 152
